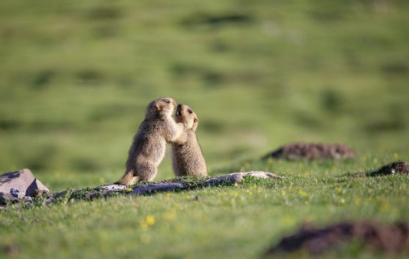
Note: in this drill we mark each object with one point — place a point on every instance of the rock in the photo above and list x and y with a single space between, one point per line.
312 151
238 177
390 238
19 184
36 188
7 198
157 187
17 193
180 185
113 187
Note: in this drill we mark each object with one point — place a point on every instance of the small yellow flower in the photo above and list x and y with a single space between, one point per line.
342 200
235 184
150 220
170 215
302 193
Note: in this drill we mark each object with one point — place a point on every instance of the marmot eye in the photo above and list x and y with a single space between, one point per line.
167 101
190 111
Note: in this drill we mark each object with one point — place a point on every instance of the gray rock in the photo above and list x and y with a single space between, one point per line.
21 183
224 179
238 177
7 198
17 193
28 200
36 188
113 187
157 187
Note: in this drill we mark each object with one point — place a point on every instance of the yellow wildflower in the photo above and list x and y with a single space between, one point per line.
150 220
171 214
302 193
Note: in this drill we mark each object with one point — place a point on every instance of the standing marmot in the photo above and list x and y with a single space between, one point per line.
149 144
187 155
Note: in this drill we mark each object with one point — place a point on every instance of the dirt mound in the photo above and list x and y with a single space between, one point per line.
312 151
398 167
392 238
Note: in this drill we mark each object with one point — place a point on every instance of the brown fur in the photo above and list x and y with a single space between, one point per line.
149 144
187 156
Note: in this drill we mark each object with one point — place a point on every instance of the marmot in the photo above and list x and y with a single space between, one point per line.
149 143
187 156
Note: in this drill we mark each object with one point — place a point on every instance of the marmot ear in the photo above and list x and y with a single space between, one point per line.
196 120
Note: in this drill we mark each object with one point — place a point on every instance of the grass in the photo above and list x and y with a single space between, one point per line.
75 79
240 221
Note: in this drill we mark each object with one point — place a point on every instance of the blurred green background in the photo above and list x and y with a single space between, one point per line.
75 77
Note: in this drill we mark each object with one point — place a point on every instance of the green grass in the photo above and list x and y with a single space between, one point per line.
75 78
240 221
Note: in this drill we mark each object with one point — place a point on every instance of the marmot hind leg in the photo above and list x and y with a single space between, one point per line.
146 172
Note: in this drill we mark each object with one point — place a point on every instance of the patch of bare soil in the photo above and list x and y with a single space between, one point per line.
393 238
312 151
398 167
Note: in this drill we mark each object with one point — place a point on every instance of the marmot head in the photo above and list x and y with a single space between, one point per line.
161 107
184 114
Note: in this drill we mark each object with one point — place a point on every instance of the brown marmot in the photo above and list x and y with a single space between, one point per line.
187 156
149 143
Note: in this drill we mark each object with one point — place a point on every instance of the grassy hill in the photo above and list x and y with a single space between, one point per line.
76 76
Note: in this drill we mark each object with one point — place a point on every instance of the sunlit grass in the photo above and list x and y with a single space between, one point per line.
75 79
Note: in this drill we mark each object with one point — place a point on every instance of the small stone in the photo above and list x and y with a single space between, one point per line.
28 199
